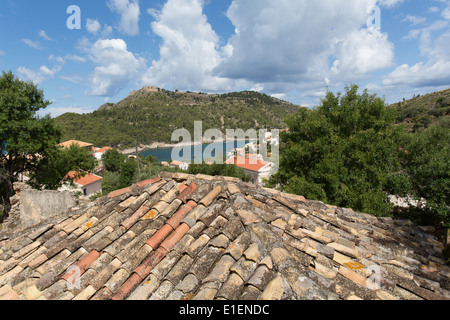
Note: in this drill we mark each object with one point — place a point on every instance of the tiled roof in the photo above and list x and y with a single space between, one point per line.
84 180
82 144
198 237
103 150
248 163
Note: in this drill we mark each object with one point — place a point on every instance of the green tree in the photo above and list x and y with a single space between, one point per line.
110 182
215 169
344 152
25 137
128 170
113 160
50 171
427 162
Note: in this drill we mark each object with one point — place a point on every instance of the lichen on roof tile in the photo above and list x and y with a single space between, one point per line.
181 236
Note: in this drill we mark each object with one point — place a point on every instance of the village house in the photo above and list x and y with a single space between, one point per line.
88 183
99 152
257 168
81 144
179 164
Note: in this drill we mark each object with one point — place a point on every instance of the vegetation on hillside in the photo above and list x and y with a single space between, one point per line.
148 117
425 111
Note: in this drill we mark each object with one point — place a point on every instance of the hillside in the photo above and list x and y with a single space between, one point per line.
152 114
424 111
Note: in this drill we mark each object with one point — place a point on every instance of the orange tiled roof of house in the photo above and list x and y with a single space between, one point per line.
248 163
84 180
82 144
103 150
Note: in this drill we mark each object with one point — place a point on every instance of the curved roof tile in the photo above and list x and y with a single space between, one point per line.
196 237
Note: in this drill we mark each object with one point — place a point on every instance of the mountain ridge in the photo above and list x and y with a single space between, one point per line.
149 115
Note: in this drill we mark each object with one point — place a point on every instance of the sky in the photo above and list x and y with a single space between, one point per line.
86 53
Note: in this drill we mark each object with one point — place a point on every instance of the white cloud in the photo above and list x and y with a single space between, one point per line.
43 73
432 73
75 58
189 51
93 26
72 78
57 111
44 35
2 53
277 46
414 20
358 55
116 66
32 44
129 12
390 3
292 42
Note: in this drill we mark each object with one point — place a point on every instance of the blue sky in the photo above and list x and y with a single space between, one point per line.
293 50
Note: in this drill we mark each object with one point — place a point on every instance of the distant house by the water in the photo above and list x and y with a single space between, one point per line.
81 144
179 164
88 184
98 152
256 168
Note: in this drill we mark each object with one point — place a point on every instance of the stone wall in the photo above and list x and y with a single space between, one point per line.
37 206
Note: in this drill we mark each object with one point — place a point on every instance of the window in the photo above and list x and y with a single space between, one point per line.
85 191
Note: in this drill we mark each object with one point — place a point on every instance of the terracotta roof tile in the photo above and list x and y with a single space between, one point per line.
120 192
83 179
181 236
183 196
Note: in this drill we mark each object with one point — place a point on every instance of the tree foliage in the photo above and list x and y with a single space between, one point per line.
127 171
344 152
219 170
50 171
113 160
427 164
25 138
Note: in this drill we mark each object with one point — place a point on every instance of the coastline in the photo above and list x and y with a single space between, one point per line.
163 145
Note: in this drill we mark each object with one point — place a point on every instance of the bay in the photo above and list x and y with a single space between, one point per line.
165 154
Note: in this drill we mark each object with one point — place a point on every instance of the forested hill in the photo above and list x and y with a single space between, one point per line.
425 111
151 115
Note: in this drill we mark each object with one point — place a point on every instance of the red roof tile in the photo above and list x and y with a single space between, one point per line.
145 183
128 287
183 196
150 263
175 221
251 164
103 150
84 264
174 237
159 236
82 144
83 179
120 192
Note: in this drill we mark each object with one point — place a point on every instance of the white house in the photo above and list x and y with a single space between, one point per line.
99 152
256 168
179 164
88 184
